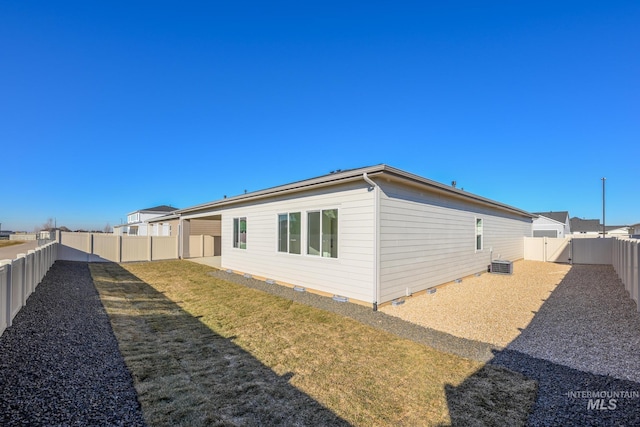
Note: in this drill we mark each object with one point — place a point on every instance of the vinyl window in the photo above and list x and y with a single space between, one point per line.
322 233
240 233
479 234
289 229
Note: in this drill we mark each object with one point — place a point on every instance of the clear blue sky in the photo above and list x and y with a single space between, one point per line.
110 107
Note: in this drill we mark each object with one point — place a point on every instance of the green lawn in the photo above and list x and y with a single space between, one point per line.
203 351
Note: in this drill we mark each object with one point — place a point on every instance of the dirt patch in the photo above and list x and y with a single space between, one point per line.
491 308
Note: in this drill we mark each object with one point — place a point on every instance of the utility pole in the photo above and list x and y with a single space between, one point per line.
604 229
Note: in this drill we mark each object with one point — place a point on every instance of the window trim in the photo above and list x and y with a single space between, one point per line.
237 240
479 221
321 242
287 231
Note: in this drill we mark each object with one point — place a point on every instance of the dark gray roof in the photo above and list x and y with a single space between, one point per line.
579 225
560 216
161 208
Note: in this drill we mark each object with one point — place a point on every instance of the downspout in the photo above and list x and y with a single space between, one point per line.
180 244
376 247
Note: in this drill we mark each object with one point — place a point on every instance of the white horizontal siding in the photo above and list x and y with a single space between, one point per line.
352 274
428 239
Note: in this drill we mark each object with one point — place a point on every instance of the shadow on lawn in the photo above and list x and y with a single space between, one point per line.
557 350
185 374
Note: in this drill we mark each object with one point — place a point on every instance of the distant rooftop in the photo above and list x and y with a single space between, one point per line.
161 208
579 225
560 216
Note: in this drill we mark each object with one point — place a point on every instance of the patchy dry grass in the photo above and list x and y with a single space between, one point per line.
204 351
5 243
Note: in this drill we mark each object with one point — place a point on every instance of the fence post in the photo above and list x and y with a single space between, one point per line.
30 269
39 265
620 257
5 298
635 284
149 248
629 269
119 248
47 256
22 260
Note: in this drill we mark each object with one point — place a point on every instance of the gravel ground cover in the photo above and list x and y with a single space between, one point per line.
567 397
491 308
60 364
588 323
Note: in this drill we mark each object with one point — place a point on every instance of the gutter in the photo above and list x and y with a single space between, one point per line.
376 250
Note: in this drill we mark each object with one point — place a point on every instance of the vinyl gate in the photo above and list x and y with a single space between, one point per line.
569 250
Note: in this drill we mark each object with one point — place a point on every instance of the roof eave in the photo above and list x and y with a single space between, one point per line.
350 176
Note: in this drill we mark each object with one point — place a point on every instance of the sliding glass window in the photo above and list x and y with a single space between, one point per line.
322 233
289 232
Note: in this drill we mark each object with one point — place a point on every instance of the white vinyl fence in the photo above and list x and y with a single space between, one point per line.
19 278
569 250
203 246
547 249
96 247
626 261
623 254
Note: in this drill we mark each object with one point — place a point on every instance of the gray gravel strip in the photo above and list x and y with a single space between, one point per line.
588 323
569 397
60 364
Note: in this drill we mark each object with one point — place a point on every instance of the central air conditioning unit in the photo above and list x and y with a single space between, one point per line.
501 267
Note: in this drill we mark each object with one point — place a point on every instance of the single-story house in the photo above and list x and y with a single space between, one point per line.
372 234
551 224
618 230
634 230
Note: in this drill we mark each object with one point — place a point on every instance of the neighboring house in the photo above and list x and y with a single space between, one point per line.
586 226
634 230
551 224
164 225
372 234
618 230
207 233
137 222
